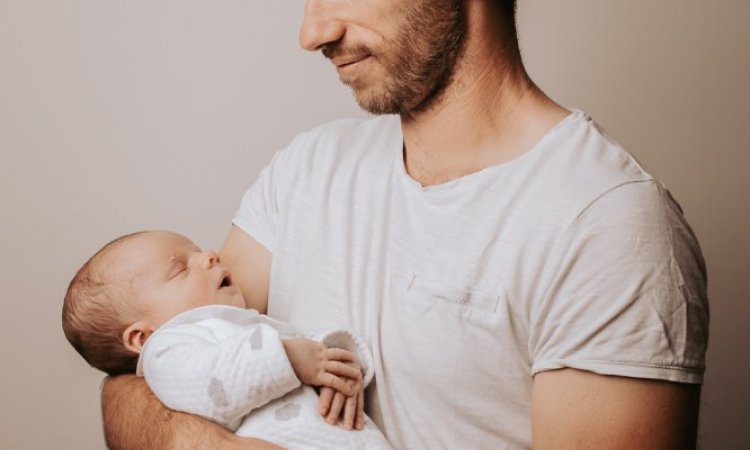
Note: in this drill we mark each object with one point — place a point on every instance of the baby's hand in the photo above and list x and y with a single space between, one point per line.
317 365
332 403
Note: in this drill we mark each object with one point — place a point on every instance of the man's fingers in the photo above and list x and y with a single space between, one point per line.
343 370
350 411
326 397
339 354
330 380
335 411
359 422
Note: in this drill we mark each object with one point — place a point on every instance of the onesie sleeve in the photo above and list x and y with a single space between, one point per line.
258 214
190 370
629 295
348 341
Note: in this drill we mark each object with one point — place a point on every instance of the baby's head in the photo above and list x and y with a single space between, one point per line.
132 286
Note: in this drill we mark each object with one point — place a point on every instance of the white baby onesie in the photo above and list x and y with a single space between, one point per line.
229 365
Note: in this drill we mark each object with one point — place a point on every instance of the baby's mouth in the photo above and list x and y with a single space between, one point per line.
226 281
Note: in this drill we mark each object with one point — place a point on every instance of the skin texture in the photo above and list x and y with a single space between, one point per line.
317 365
579 410
252 262
492 111
135 419
405 67
169 274
338 375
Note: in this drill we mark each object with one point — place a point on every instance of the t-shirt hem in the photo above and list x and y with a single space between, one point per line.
625 369
256 232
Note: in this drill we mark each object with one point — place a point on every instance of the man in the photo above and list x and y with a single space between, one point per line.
520 279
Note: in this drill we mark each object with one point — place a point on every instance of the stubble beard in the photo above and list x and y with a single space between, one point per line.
418 65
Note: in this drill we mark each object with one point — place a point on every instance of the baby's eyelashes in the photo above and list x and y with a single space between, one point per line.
177 269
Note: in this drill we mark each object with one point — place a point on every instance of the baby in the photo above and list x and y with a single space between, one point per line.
154 304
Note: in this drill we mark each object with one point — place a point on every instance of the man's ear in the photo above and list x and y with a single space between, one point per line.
135 336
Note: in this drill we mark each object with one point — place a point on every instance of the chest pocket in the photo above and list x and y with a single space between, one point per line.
435 332
450 302
432 322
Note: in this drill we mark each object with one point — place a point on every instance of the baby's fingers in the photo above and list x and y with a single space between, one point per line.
332 381
350 411
339 354
326 397
335 412
359 422
343 370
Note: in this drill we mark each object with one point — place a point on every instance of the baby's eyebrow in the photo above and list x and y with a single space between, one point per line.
174 262
177 254
175 259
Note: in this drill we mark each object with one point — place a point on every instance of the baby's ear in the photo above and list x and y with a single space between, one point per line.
135 336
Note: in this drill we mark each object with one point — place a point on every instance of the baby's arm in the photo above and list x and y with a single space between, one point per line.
221 379
223 371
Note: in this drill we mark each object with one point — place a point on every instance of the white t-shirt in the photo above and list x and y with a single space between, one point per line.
570 255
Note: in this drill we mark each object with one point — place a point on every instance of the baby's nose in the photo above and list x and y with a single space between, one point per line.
209 259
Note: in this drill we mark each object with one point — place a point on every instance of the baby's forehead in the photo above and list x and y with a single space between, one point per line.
144 250
121 262
165 238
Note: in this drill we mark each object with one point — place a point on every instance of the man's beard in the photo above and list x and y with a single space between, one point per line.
417 66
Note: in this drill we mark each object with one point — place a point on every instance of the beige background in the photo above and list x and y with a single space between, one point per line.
123 115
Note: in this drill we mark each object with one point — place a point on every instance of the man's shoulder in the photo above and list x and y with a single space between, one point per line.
343 143
357 126
578 163
585 149
349 135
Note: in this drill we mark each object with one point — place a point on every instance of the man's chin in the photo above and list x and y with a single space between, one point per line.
375 104
367 97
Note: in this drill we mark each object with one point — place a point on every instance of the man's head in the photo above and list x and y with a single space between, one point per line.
398 56
132 286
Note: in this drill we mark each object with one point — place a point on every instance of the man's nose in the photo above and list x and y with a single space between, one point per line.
319 27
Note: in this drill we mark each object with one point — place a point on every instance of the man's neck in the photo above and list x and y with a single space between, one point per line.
491 113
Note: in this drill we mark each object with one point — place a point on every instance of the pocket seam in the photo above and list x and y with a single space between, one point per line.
445 293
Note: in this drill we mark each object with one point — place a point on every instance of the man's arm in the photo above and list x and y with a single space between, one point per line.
250 265
579 410
135 419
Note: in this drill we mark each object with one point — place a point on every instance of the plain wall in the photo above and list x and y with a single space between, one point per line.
118 116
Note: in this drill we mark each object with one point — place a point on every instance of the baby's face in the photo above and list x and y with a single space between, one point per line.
171 275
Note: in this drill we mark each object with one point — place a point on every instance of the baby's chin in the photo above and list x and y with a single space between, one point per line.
231 296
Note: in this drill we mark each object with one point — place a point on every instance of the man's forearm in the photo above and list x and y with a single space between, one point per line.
135 419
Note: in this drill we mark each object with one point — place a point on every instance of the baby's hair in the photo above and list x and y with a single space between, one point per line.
95 314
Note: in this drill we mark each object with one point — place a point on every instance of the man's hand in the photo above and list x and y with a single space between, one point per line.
317 365
135 419
332 403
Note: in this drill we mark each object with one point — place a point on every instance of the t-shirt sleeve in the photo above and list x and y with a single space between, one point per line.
258 215
629 293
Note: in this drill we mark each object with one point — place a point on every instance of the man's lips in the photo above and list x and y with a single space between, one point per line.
348 60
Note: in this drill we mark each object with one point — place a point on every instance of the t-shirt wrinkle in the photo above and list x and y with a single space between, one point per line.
608 191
